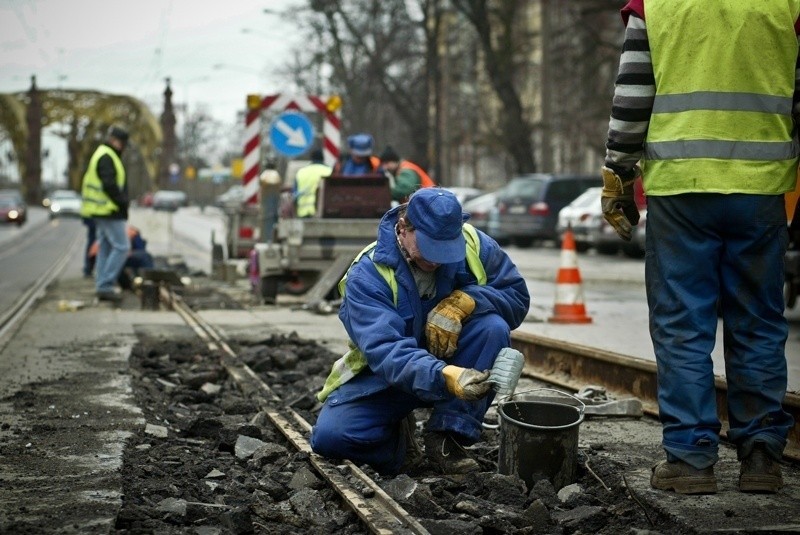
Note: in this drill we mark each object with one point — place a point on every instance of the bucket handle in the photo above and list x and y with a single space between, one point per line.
506 398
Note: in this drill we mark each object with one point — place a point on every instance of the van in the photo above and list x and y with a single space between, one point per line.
528 206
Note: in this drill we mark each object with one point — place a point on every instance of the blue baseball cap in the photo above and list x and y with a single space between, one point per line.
360 144
437 218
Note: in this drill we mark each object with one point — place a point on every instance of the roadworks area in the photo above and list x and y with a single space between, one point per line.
122 421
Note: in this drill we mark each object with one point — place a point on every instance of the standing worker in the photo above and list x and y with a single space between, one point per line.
705 98
359 159
105 200
306 184
428 307
406 176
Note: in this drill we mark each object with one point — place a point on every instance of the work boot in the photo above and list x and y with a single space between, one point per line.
111 296
414 454
683 478
448 455
760 472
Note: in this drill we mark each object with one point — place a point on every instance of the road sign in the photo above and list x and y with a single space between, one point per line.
291 133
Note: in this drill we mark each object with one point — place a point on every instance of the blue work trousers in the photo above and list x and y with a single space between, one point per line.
705 253
367 430
112 253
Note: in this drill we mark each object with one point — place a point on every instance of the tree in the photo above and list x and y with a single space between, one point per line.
198 139
376 55
501 33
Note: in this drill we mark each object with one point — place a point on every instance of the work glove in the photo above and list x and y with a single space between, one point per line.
619 206
466 383
444 323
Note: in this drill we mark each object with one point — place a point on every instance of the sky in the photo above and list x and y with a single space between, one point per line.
215 52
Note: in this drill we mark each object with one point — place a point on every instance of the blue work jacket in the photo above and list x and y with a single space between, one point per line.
392 338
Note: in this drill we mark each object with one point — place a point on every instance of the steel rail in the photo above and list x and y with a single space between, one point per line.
574 366
19 309
377 510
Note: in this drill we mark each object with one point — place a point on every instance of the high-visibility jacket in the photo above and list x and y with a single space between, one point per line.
306 185
722 113
95 201
425 181
352 362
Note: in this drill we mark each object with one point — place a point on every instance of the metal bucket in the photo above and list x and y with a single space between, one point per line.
539 440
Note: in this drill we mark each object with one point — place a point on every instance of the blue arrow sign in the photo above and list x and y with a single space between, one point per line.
291 133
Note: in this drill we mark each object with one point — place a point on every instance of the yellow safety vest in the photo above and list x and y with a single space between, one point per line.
722 114
95 200
308 179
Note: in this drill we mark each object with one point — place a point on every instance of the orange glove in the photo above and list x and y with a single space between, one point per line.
466 383
444 323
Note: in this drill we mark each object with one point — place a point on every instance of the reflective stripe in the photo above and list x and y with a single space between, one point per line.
724 150
715 100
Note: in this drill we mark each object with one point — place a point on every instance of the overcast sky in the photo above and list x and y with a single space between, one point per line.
214 51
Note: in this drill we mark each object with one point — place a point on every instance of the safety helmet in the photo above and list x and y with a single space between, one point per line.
360 144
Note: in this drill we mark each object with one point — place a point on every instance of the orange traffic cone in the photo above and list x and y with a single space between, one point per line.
569 306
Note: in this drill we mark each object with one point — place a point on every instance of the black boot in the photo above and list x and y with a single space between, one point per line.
448 455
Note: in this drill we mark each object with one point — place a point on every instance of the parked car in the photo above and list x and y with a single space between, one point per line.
234 196
12 207
582 216
64 203
528 205
479 209
607 241
169 200
464 194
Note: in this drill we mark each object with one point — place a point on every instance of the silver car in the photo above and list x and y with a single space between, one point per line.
582 216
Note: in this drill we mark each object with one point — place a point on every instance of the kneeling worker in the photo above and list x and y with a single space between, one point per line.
427 307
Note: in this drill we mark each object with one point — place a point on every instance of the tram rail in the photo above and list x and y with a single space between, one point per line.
377 510
13 315
573 366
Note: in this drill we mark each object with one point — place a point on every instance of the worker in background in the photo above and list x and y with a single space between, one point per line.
139 258
716 135
104 194
405 176
359 159
428 307
306 184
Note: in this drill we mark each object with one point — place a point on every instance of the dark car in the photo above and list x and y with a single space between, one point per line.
169 200
12 208
528 205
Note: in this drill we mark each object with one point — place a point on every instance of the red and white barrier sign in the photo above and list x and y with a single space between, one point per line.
331 132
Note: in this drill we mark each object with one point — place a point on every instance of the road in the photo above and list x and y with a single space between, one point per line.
613 287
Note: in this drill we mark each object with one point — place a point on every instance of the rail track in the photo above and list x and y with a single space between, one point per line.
14 314
377 510
573 366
